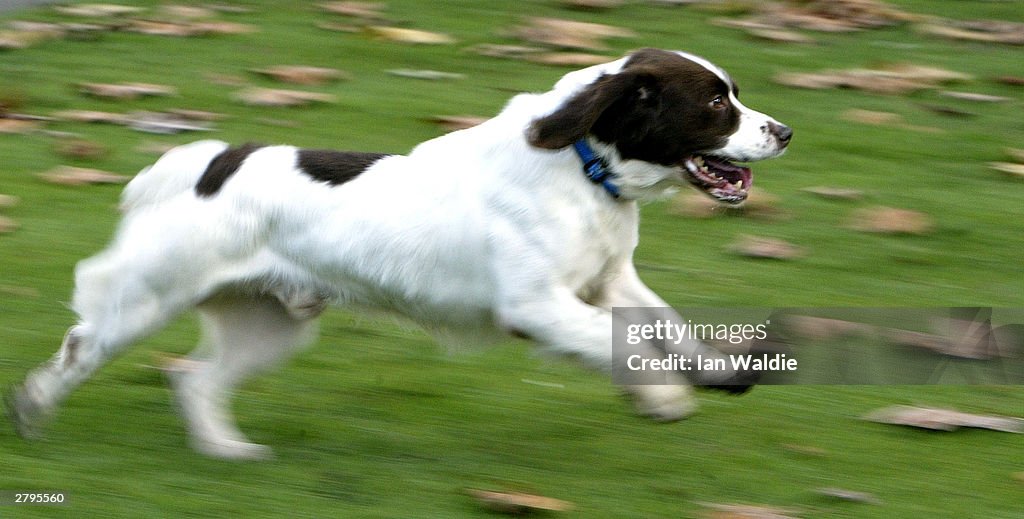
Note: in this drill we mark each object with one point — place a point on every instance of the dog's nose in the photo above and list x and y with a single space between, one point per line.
781 132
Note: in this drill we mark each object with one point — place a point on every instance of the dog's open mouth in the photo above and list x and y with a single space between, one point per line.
719 178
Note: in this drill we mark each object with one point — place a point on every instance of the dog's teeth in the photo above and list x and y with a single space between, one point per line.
739 185
699 161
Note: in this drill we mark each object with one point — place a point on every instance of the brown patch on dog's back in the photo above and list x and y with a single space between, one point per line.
222 167
335 167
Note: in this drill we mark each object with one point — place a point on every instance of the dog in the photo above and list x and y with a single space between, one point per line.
524 225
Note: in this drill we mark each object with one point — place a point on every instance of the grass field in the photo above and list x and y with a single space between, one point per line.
378 421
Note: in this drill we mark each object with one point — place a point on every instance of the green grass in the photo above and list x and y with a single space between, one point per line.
392 426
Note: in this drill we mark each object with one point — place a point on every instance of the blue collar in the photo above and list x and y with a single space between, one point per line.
595 168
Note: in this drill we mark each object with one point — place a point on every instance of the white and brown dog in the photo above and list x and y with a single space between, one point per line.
525 225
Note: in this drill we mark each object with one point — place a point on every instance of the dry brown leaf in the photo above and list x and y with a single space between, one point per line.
215 27
731 511
126 90
975 96
20 291
73 176
986 31
766 248
780 35
185 12
18 126
824 329
504 51
301 74
414 36
8 201
163 28
80 149
1016 153
196 115
592 5
1011 80
99 10
568 34
890 220
90 116
163 123
429 75
943 419
278 97
836 193
1010 168
568 59
363 10
7 225
457 122
517 502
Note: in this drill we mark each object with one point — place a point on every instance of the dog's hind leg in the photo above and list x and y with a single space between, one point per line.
117 305
242 335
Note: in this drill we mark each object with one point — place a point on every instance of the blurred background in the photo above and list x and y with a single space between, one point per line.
904 187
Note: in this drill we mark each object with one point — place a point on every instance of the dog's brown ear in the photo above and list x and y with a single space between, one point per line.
575 117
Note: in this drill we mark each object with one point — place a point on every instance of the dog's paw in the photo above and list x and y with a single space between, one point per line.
739 383
27 416
236 450
663 403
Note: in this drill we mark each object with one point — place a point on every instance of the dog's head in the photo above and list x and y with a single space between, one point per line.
668 109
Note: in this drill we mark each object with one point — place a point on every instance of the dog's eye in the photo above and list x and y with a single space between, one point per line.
718 102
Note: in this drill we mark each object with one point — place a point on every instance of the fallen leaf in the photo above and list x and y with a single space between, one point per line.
825 329
835 193
80 149
890 220
17 126
278 97
216 27
943 419
780 35
975 96
196 115
517 502
98 10
457 122
849 495
185 12
568 34
163 123
1011 80
986 31
414 36
1016 153
429 75
7 225
163 28
568 59
1015 170
7 201
730 511
363 10
157 148
592 5
73 176
504 51
126 90
301 74
884 119
767 248
90 116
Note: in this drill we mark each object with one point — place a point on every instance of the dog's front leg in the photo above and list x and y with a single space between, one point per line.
564 324
627 290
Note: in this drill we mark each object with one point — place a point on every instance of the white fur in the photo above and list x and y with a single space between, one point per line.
473 231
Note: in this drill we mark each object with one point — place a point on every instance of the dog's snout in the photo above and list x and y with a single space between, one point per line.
781 132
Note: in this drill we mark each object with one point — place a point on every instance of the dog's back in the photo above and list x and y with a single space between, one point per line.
176 172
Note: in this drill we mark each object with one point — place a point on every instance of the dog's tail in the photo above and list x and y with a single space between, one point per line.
176 172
